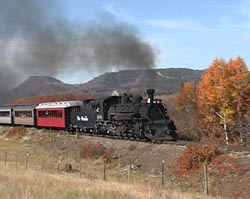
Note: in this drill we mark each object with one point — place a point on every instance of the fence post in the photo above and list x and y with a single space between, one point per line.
77 134
205 180
162 172
128 170
5 158
26 160
80 169
41 165
104 170
16 161
58 166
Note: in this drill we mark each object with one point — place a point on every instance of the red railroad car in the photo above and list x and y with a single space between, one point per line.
56 114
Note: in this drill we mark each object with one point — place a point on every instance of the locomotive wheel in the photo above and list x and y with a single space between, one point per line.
138 131
157 134
122 131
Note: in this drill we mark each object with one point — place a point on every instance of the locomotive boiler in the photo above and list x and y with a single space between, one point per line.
124 116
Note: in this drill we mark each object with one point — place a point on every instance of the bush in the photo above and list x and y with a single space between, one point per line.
17 132
194 156
95 151
226 165
108 155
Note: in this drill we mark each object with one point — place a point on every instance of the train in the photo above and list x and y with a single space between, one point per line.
126 116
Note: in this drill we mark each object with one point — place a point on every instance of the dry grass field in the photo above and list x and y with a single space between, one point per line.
38 185
42 174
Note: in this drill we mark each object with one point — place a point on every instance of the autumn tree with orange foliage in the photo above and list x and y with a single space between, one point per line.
194 156
224 99
187 99
186 102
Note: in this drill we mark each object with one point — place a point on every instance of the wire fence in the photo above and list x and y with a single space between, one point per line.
25 161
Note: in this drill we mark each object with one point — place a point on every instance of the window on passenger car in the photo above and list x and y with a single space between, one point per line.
50 114
23 114
4 113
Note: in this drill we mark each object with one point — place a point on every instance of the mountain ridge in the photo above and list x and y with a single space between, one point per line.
164 81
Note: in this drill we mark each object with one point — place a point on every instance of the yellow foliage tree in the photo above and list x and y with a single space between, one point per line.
223 98
186 102
186 99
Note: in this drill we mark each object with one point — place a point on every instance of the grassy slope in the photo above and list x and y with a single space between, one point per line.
36 185
228 174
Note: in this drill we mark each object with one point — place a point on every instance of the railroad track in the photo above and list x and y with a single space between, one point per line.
181 143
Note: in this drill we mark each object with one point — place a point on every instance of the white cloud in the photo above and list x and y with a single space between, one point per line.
119 12
176 24
245 8
228 25
246 37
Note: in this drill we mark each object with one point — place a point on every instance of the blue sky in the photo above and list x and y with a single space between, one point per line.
187 33
183 33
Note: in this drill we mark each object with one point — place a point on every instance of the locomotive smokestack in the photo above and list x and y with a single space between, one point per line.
150 93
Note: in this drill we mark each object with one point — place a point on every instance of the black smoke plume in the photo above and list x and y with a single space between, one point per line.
37 39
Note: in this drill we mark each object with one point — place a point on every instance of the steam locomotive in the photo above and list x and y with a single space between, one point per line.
124 116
